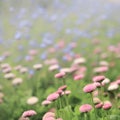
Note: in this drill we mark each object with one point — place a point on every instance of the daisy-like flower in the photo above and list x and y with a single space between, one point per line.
60 75
107 105
33 52
59 91
9 76
104 55
99 105
113 86
104 63
67 92
89 88
79 77
96 100
53 96
37 66
85 108
23 70
32 100
5 65
95 93
65 70
80 60
97 84
53 67
49 116
118 81
100 69
18 67
46 102
98 78
29 113
105 81
59 119
7 70
63 87
17 81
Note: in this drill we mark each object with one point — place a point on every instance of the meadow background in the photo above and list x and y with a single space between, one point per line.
57 32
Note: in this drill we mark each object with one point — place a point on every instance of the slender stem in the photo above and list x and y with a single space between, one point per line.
64 83
57 115
60 104
93 105
85 116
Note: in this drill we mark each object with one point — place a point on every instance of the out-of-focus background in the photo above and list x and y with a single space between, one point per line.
32 31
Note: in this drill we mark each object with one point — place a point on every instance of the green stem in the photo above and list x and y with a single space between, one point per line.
57 115
93 106
85 116
64 82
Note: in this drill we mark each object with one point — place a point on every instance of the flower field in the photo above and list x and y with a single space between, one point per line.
59 60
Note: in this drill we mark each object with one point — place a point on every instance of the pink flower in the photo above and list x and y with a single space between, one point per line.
53 67
96 42
46 102
80 60
22 118
89 88
105 81
97 50
78 77
118 81
85 108
65 70
33 52
95 93
74 68
7 70
59 91
99 105
37 66
59 119
96 100
101 69
67 92
53 96
49 116
98 78
61 44
4 66
64 87
104 55
111 48
60 75
97 84
104 63
107 105
29 113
